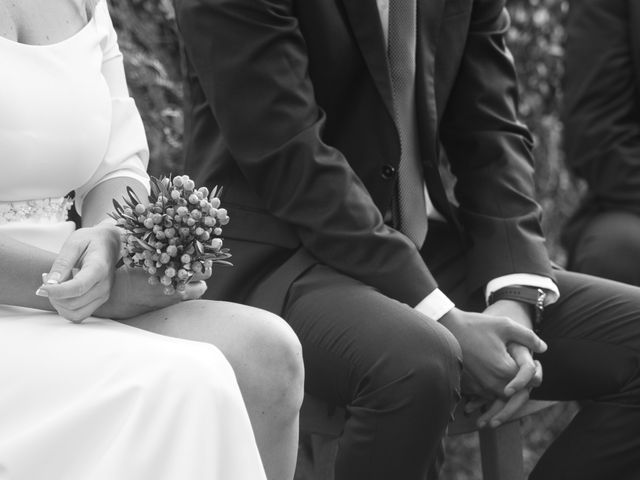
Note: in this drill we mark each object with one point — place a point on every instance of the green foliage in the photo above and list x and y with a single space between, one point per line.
536 39
149 41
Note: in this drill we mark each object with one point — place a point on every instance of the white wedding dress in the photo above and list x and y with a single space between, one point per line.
99 400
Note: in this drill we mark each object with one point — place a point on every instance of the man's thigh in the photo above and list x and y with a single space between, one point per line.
593 334
609 247
353 335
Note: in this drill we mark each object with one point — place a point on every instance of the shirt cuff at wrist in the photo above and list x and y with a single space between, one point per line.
435 305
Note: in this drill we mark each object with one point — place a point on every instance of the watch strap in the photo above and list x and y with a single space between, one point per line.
526 294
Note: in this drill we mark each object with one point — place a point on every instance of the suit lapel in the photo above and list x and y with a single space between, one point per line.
429 20
364 19
429 23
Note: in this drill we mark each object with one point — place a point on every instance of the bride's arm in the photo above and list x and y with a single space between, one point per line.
99 201
127 155
22 266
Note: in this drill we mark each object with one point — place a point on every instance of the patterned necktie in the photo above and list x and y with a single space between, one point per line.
402 63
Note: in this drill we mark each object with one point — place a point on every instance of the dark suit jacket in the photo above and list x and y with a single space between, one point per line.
602 105
290 108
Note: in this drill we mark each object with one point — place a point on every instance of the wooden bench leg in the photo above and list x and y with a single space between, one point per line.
321 427
501 452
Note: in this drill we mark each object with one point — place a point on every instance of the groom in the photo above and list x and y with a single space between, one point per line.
326 122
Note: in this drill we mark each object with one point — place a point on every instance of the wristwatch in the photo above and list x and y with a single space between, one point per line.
531 295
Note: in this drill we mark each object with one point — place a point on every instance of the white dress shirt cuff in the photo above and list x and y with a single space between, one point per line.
435 305
528 279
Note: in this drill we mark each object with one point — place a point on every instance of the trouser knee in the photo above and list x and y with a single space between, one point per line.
423 375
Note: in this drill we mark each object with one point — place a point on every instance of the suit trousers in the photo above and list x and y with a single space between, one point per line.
398 374
609 246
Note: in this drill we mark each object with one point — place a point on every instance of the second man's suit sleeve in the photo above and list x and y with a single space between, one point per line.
490 155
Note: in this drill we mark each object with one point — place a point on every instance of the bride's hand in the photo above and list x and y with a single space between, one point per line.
98 288
132 295
92 253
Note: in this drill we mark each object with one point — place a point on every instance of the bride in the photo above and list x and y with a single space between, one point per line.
112 399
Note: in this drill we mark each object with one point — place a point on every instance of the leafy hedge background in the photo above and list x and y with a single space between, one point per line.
149 41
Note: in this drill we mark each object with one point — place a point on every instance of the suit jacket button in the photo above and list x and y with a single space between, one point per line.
388 172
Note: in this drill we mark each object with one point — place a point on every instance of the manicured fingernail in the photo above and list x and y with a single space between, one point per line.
41 292
481 423
494 423
44 277
508 391
53 278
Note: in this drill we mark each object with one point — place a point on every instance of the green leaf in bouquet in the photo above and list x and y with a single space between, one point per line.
214 250
218 259
144 244
158 188
118 207
200 249
133 196
216 256
215 192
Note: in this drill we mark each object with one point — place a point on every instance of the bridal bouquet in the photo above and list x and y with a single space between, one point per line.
173 235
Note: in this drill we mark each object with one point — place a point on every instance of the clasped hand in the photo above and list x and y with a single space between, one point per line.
499 369
84 281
